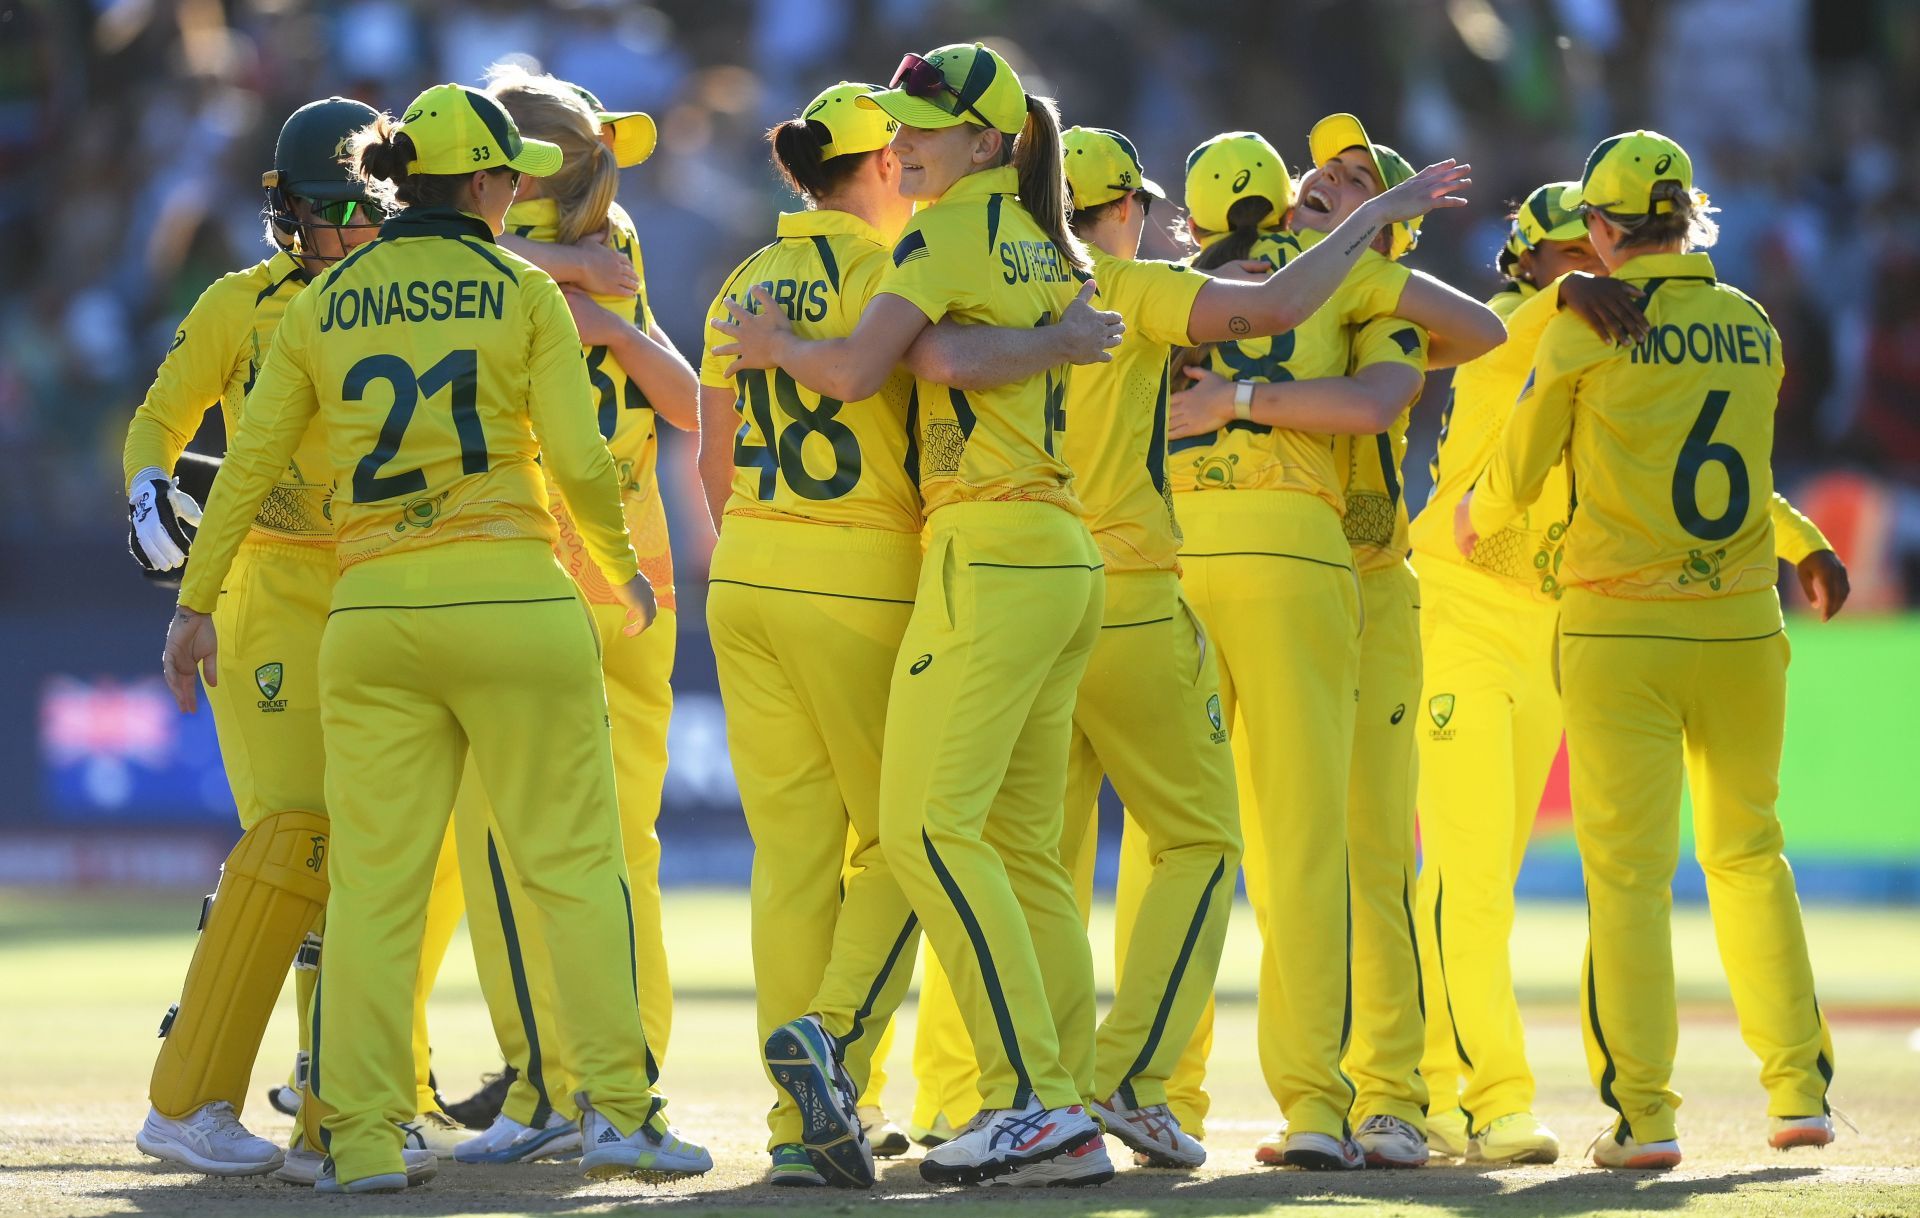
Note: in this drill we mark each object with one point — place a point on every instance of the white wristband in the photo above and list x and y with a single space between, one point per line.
1243 400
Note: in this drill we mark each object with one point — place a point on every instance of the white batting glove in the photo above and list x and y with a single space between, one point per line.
159 517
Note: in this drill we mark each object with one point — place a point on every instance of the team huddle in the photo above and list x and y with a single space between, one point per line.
1004 512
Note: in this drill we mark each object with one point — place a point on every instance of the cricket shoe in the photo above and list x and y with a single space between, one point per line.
998 1140
302 1166
1321 1152
888 1140
209 1139
1081 1168
1518 1137
653 1152
285 1098
1616 1148
1388 1141
508 1141
793 1168
1152 1133
1789 1132
805 1062
478 1110
1268 1151
436 1131
1447 1133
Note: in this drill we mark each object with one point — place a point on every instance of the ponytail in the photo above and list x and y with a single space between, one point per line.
795 147
1243 231
1041 166
379 153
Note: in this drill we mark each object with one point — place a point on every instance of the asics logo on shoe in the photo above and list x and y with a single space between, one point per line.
609 1134
1021 1131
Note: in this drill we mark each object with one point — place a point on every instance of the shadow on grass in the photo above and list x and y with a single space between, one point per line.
554 1188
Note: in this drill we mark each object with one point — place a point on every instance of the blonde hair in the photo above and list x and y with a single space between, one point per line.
1685 218
545 108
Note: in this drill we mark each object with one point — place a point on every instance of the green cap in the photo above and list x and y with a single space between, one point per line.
1622 171
1543 217
308 156
979 85
455 129
1336 133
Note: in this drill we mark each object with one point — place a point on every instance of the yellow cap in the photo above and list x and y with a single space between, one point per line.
1231 167
1543 217
1336 133
632 134
978 87
851 128
455 129
1102 165
1622 170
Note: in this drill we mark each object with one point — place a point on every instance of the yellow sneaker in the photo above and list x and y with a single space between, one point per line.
1518 1137
1447 1133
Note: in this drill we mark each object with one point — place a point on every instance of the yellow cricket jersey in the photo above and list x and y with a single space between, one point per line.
626 418
797 455
1376 519
1116 437
446 373
216 354
1245 455
976 254
1670 445
1525 555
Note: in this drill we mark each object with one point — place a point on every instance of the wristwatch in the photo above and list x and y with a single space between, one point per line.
1243 400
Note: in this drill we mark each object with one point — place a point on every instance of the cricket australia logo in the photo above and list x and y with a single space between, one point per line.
268 678
1219 735
1440 708
1702 567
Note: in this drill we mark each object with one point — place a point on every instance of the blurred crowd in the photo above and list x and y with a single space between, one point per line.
133 134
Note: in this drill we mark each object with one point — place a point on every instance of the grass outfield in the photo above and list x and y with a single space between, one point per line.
83 981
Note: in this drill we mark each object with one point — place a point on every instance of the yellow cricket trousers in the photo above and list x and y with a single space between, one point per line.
1186 1083
1642 713
405 692
515 967
972 779
1389 1033
1148 716
1270 574
804 677
1488 726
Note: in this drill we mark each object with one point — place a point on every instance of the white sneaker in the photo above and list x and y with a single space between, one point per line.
1152 1133
285 1098
302 1166
209 1139
1388 1141
1447 1133
1322 1152
1271 1150
1616 1147
805 1062
508 1141
1789 1132
1000 1139
435 1131
888 1140
654 1151
1080 1168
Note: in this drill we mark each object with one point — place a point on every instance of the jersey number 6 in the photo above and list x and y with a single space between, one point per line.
1699 451
458 371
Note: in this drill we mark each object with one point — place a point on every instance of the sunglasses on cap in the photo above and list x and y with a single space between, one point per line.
916 77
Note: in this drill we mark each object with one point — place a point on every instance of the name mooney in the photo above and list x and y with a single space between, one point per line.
414 301
1700 343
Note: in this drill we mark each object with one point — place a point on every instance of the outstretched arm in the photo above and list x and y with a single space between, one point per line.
1364 404
647 356
715 462
849 368
981 357
1229 309
1460 326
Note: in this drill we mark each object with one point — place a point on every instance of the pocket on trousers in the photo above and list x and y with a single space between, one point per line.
1192 649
